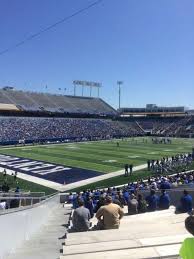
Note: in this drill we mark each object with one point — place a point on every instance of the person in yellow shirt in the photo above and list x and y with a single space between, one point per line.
187 248
109 216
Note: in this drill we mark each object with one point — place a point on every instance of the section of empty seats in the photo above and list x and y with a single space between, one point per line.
32 101
19 98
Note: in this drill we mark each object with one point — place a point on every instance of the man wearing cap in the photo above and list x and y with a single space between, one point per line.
109 215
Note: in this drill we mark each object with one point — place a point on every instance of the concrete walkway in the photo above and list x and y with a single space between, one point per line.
67 187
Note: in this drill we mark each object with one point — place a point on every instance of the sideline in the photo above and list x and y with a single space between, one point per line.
67 187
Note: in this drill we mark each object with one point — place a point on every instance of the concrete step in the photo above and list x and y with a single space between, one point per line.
171 225
148 215
122 244
166 251
45 244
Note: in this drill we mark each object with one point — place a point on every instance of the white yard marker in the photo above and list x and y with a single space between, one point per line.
110 161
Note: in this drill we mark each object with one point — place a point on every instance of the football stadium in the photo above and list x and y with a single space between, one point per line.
86 171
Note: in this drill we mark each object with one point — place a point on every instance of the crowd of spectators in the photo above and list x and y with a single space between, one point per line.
33 128
139 197
39 128
170 164
168 126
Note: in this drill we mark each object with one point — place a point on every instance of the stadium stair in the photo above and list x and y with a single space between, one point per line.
46 243
150 235
139 126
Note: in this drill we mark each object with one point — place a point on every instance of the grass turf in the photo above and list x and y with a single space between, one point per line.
122 180
102 156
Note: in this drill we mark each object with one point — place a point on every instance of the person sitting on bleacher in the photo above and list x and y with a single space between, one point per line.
187 248
152 201
81 218
142 205
117 201
132 205
100 203
164 201
109 216
89 205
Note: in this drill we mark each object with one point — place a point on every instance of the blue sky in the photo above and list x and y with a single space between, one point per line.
146 43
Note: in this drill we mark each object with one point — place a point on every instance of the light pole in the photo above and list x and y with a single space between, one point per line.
119 83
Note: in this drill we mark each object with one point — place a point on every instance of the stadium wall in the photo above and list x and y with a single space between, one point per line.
19 225
175 194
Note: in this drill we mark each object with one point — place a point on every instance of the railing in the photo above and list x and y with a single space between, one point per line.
21 193
20 201
19 224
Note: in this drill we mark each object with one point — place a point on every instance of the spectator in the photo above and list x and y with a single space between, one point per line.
17 190
152 201
89 205
132 205
70 198
164 201
185 203
117 201
126 196
187 248
3 204
109 216
100 203
122 200
142 205
81 218
165 184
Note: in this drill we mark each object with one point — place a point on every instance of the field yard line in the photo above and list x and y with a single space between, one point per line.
70 186
34 179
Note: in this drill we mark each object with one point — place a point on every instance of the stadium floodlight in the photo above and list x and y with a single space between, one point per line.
119 83
86 84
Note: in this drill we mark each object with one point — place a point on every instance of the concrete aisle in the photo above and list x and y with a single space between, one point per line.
47 242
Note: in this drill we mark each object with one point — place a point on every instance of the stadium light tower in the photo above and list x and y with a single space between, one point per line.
119 83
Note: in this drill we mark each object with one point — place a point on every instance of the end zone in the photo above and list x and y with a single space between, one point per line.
48 171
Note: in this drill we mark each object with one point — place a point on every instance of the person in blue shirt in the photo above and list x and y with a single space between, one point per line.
126 196
186 203
165 185
164 201
152 201
89 205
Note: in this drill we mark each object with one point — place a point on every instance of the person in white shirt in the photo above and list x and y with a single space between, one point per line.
2 205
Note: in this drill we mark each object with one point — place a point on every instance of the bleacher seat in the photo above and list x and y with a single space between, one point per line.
32 101
150 235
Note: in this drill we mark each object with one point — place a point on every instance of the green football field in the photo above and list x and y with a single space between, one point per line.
102 156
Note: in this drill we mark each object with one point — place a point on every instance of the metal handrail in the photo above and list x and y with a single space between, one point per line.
24 199
39 194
